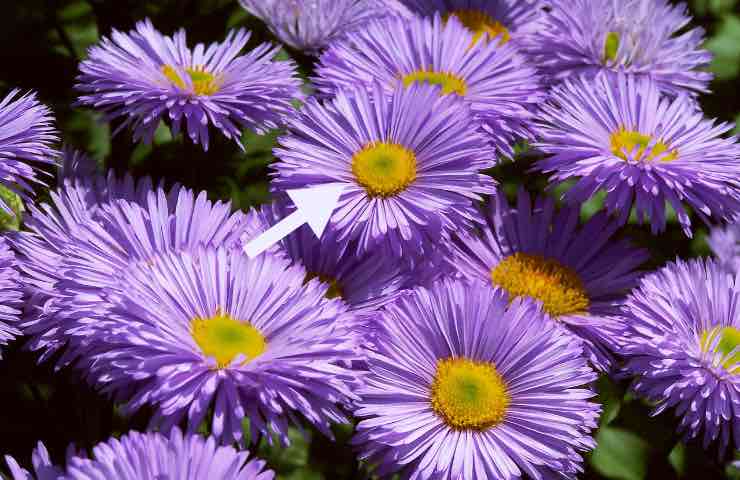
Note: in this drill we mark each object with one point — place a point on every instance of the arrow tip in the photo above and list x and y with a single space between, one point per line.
316 204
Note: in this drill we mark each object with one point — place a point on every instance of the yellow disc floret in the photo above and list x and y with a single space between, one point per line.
204 83
449 82
558 287
223 338
630 142
469 395
729 339
384 169
482 25
335 290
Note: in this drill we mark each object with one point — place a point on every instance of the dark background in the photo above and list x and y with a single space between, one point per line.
41 42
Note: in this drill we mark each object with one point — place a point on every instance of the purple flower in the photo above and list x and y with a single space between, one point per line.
580 274
498 84
619 135
11 294
646 38
118 234
26 137
213 331
724 240
465 384
365 282
682 337
411 165
312 24
149 456
145 77
500 20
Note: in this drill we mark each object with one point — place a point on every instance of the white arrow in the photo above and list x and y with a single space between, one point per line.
314 207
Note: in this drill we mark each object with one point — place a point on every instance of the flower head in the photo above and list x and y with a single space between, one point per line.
465 384
646 38
580 274
618 134
495 21
311 25
682 343
411 164
187 332
724 240
145 77
148 456
26 137
496 81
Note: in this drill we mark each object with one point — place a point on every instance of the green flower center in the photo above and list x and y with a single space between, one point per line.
204 83
384 169
469 395
611 46
223 338
729 339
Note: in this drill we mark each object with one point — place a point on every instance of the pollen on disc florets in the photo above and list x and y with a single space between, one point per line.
640 147
224 338
384 169
204 83
469 395
557 286
449 82
482 25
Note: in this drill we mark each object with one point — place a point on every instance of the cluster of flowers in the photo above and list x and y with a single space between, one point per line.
462 332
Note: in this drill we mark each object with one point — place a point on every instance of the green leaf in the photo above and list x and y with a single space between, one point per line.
620 454
725 45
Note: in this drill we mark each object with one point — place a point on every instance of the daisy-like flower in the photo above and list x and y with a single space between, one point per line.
464 384
724 241
580 274
27 136
187 332
310 25
499 85
96 251
11 294
149 456
411 164
496 21
145 77
618 134
682 343
365 282
646 38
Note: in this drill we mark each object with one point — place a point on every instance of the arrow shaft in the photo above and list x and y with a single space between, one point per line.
277 232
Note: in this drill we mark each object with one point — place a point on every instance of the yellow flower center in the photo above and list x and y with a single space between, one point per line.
469 395
626 142
449 82
223 337
482 25
384 169
204 83
335 290
729 338
611 46
558 287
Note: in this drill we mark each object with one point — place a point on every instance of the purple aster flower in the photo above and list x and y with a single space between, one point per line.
144 77
92 254
11 294
500 87
26 137
149 456
365 282
312 24
465 384
411 164
647 38
619 135
682 337
580 274
502 20
187 332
